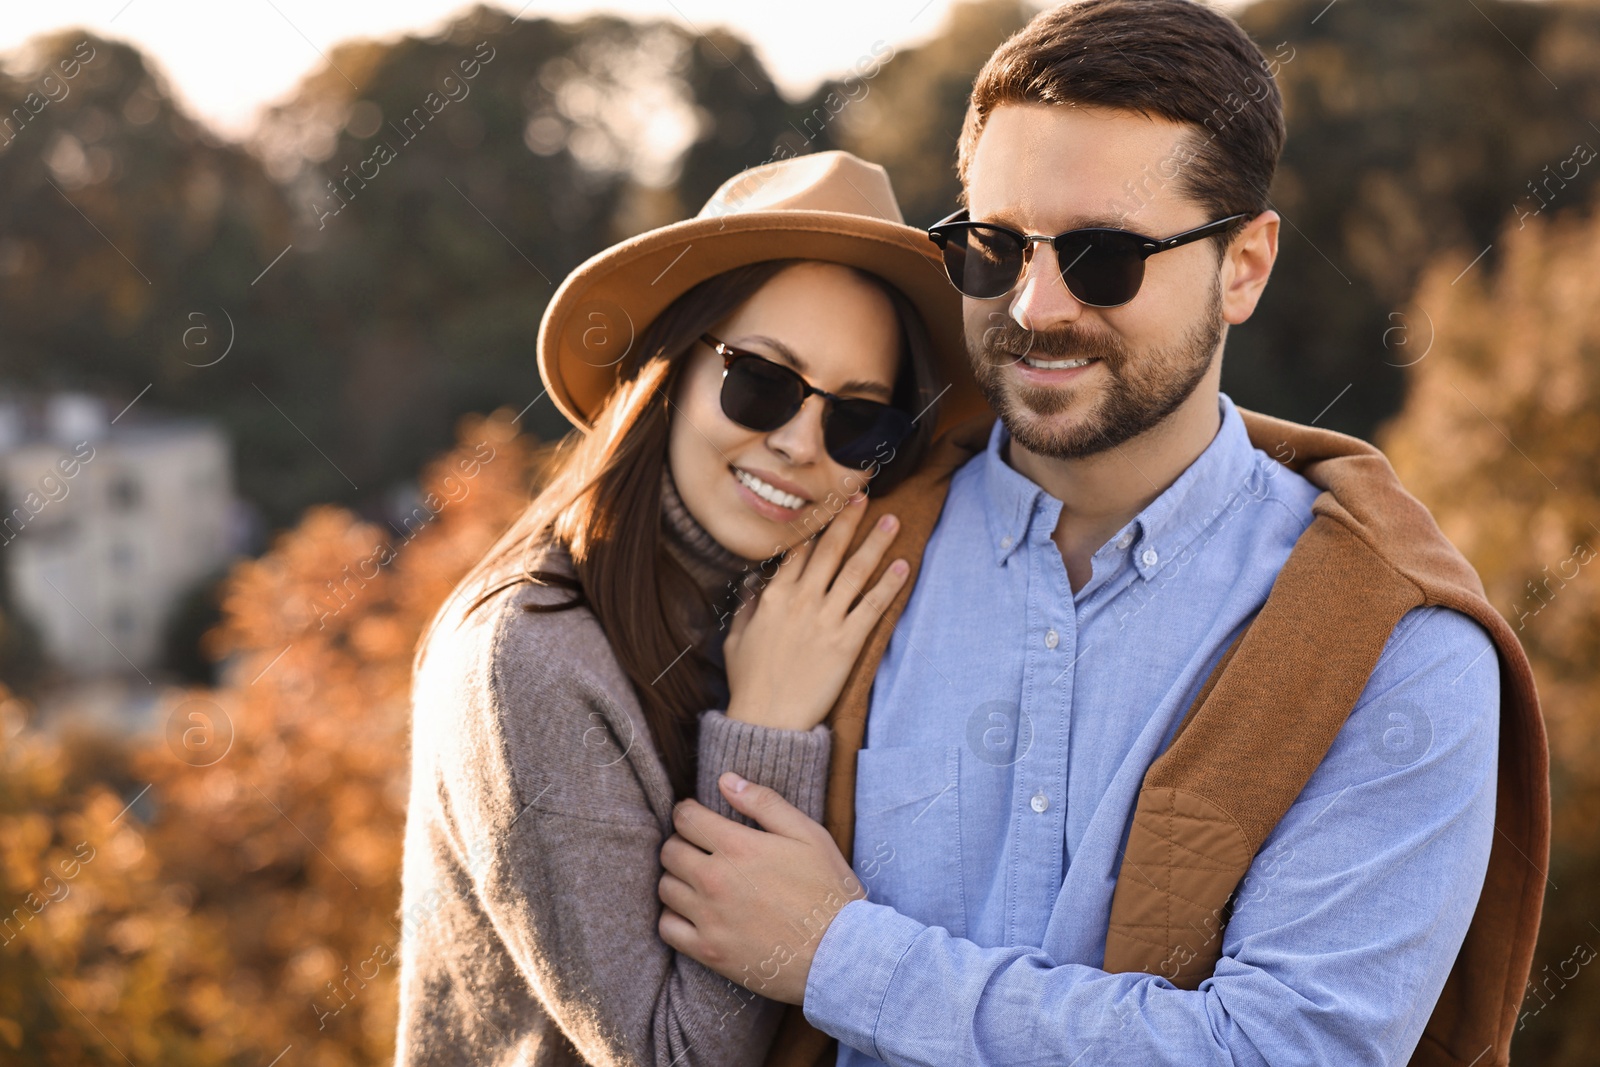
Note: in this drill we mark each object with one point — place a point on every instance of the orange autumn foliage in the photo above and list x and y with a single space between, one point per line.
1500 437
246 902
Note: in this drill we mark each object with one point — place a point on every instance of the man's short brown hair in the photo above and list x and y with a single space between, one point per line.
1176 59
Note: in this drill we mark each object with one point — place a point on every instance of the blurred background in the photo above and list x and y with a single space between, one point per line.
252 323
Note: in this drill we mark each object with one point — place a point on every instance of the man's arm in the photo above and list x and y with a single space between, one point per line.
1341 939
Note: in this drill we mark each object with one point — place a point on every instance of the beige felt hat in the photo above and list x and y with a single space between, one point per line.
829 206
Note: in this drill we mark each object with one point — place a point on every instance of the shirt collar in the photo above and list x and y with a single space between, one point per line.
1018 508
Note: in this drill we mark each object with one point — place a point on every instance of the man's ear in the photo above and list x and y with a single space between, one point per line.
1246 265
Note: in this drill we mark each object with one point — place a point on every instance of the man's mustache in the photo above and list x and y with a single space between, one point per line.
1008 343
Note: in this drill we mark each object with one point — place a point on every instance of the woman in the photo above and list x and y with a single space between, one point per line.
742 377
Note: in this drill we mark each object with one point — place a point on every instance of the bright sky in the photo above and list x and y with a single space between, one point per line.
227 59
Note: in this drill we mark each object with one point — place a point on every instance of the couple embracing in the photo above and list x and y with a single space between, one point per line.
914 657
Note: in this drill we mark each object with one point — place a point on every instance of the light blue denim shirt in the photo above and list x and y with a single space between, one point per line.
1011 724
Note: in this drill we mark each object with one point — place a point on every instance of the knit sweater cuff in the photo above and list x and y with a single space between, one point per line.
794 763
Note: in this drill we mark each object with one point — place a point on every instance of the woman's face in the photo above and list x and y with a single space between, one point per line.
840 333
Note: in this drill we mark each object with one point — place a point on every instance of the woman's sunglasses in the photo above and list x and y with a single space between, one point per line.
1101 267
759 394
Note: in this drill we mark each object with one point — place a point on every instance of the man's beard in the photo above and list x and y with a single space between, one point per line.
1142 390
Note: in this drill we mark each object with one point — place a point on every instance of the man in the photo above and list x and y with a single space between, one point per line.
1090 567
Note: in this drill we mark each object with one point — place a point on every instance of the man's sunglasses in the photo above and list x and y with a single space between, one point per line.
759 394
1101 267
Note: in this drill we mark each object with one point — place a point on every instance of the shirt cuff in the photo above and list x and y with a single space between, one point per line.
794 763
852 969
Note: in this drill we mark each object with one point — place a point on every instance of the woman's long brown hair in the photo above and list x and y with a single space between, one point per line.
601 498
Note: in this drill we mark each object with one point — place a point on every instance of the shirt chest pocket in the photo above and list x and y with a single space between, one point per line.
907 838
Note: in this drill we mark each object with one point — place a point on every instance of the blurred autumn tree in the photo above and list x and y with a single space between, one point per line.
910 115
1415 129
239 904
1500 437
434 264
135 246
129 235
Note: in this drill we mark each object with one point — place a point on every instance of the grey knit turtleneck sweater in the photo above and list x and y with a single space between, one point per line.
708 563
538 808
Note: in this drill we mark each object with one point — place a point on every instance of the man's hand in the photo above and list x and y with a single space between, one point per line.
752 904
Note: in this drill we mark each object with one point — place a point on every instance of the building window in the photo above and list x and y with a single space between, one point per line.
124 492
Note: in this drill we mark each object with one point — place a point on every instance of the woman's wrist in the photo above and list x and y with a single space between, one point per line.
767 717
792 762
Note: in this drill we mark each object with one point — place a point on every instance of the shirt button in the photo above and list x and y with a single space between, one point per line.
1051 639
1005 542
1039 802
1125 540
1149 558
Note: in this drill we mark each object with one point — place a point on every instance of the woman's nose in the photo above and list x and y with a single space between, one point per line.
800 439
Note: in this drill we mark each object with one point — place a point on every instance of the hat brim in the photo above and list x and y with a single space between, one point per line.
595 317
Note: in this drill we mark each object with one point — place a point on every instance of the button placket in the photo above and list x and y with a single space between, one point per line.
1038 826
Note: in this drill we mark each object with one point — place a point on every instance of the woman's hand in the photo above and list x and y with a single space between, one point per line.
788 653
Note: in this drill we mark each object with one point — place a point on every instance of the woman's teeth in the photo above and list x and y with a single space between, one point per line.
767 492
1056 364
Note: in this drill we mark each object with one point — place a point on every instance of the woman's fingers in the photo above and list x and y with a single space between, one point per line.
794 562
866 614
830 545
738 620
857 570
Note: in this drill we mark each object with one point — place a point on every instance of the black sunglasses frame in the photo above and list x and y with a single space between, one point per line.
730 355
941 233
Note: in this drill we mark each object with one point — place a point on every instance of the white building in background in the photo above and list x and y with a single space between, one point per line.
103 528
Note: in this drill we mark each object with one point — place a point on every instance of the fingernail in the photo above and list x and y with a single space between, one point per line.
899 567
734 782
886 523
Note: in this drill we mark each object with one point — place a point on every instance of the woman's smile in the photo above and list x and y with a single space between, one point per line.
768 495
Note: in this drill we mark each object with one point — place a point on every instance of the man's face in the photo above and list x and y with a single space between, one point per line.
1047 168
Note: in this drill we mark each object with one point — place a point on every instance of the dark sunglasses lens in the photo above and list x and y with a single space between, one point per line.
857 433
1101 269
758 394
982 262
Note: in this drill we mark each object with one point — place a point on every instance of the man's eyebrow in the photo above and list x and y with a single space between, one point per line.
786 355
1080 222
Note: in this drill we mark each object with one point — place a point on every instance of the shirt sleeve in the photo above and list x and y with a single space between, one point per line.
542 790
792 762
1344 930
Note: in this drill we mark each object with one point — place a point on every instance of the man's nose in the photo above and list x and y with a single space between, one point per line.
1041 299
